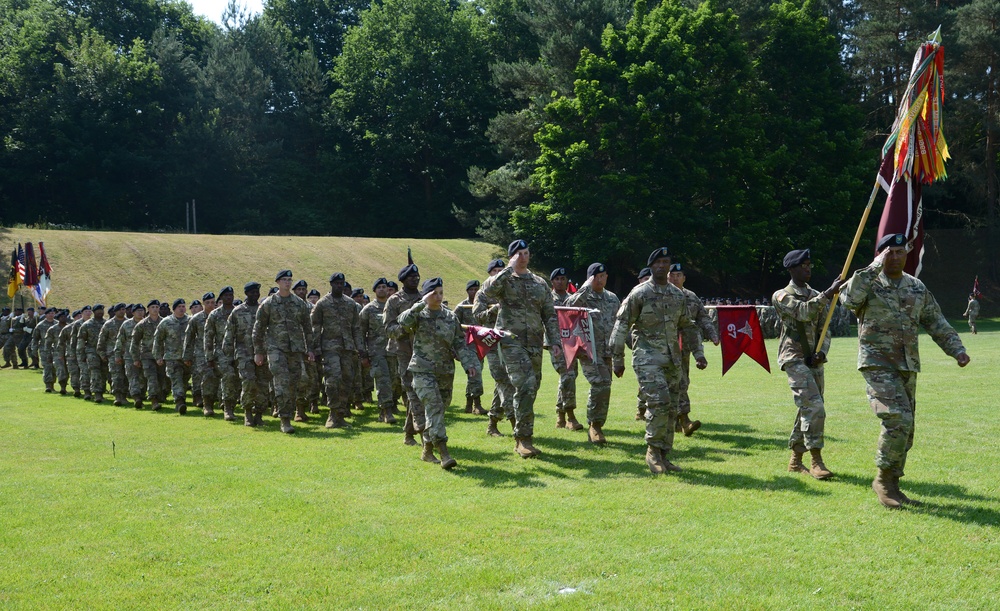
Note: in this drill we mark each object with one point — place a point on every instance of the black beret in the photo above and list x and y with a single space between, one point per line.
195 302
272 290
237 302
594 269
208 295
30 309
225 289
120 305
645 273
97 306
47 310
285 273
86 308
250 286
391 284
178 302
472 284
138 306
337 276
152 303
676 267
892 239
347 285
406 271
301 283
379 282
494 264
795 257
559 271
430 285
657 254
357 291
313 292
515 246
62 313
77 313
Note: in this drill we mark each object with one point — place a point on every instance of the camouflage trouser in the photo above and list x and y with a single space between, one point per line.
683 401
84 365
308 384
524 368
972 323
254 381
229 381
367 383
659 384
176 374
156 384
566 399
59 364
474 386
807 391
22 348
98 370
9 350
892 395
136 381
197 377
413 405
338 376
355 386
286 369
48 368
74 372
209 380
503 393
435 395
116 375
598 374
383 381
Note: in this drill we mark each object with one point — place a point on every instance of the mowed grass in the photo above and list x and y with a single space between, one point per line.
111 267
104 507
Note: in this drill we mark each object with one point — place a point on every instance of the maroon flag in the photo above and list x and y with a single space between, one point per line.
975 289
31 269
739 330
903 213
483 338
575 332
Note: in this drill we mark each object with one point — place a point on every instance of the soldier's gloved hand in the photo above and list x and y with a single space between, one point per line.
817 359
963 359
702 363
619 369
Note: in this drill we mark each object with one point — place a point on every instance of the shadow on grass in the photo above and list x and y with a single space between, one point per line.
929 492
480 465
739 481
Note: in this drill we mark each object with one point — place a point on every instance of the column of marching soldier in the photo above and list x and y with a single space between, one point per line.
277 354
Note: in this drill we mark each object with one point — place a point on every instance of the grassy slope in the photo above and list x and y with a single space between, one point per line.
188 513
107 267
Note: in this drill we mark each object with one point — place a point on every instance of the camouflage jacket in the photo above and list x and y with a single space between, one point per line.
656 314
603 321
464 312
20 325
215 332
73 345
64 344
561 300
485 310
39 332
336 325
86 339
141 346
400 341
972 309
168 339
890 318
4 328
51 341
438 340
373 328
194 337
238 340
707 327
124 340
109 335
795 306
526 308
282 324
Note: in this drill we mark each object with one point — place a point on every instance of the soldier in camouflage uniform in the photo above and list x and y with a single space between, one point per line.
168 350
526 311
437 340
55 348
5 319
400 344
336 333
141 349
803 310
706 328
892 306
308 393
202 374
26 326
484 313
363 373
223 385
594 296
238 342
645 275
972 311
282 334
313 398
79 379
106 350
397 382
374 339
474 386
566 399
657 313
133 375
15 333
38 335
97 370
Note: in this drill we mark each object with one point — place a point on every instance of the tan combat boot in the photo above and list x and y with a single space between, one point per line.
669 466
248 419
654 460
901 495
521 450
690 426
447 462
427 455
818 469
389 418
571 421
560 419
640 413
595 434
227 413
408 431
468 404
300 414
313 407
492 429
286 426
883 487
526 444
795 463
331 420
477 406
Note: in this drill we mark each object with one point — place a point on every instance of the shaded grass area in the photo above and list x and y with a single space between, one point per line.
105 507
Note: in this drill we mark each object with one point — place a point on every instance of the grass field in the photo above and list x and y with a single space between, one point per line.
104 507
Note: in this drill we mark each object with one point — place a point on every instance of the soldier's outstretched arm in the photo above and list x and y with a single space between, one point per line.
933 321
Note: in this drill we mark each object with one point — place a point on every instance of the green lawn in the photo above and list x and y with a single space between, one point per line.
104 507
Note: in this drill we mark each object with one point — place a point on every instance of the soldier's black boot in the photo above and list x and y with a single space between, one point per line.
468 404
492 429
286 426
477 406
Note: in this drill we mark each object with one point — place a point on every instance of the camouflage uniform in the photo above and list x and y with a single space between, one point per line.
225 381
141 349
656 314
22 332
309 382
38 335
374 339
336 333
12 348
400 344
566 399
802 309
67 338
972 311
57 355
707 329
357 374
5 337
890 318
238 342
474 387
106 350
437 340
598 370
526 311
281 331
168 346
204 382
484 312
136 380
97 369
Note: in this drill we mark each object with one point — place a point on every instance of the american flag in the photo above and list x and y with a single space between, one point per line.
22 262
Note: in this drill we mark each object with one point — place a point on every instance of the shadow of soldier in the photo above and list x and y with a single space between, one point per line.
481 465
977 508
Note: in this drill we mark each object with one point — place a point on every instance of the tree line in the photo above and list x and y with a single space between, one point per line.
730 130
